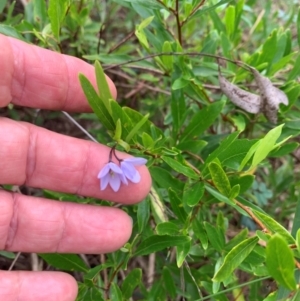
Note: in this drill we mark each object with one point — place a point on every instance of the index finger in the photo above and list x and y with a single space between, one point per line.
39 78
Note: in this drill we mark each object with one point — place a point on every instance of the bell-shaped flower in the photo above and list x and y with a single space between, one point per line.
128 168
113 175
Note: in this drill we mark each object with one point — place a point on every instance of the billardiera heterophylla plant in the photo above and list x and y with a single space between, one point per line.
114 174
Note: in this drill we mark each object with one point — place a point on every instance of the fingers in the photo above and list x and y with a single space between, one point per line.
39 225
39 158
32 286
35 77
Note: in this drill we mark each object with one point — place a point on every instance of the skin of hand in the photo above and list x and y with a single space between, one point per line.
34 77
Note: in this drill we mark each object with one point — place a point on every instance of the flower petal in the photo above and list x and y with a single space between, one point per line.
115 168
104 171
136 161
136 177
115 182
130 172
104 181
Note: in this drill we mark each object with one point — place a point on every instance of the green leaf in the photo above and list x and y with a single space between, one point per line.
298 27
202 120
193 193
230 20
181 253
169 283
2 5
200 232
140 34
156 243
96 103
235 153
7 254
118 131
266 145
180 168
194 146
143 214
215 236
298 240
91 276
219 178
132 280
66 262
148 142
10 31
234 258
118 113
167 59
177 206
225 144
221 197
234 192
103 88
40 11
115 292
167 228
237 239
165 180
280 262
296 219
88 293
157 206
178 109
136 128
245 182
274 226
57 10
209 8
249 154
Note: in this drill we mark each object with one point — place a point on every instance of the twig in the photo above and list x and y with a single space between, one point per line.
14 261
124 40
248 210
201 54
79 126
192 12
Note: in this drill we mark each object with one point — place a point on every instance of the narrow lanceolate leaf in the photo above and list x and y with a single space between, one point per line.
56 11
234 258
280 262
274 226
245 100
203 120
181 252
271 97
215 236
156 243
177 206
96 103
298 240
193 193
103 88
219 178
131 282
266 145
180 168
136 128
66 262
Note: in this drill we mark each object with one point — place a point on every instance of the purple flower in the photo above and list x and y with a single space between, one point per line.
128 168
113 175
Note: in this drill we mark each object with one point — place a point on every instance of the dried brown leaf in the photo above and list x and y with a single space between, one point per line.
271 97
247 101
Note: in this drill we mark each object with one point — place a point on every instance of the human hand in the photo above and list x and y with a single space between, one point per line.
34 77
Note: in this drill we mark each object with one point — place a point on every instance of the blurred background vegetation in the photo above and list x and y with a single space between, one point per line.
121 35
